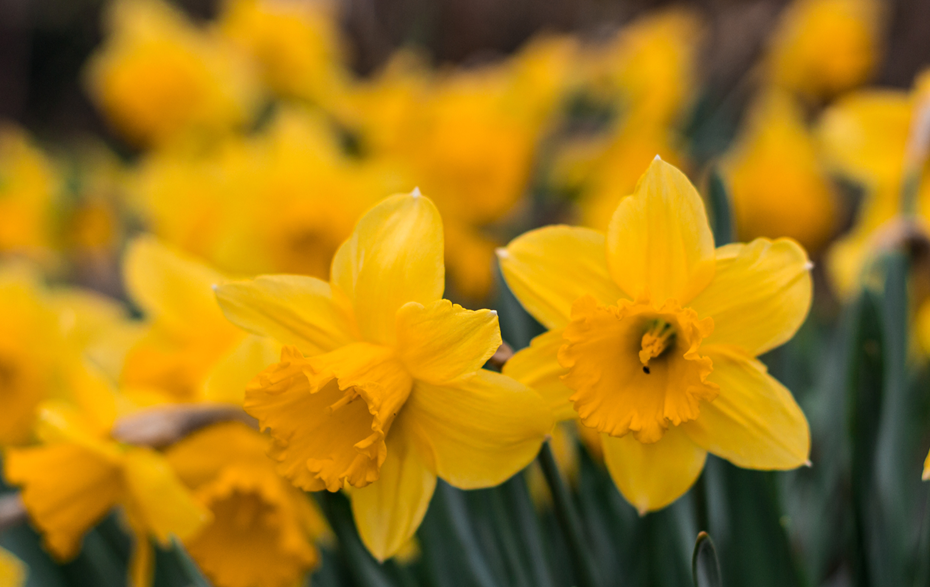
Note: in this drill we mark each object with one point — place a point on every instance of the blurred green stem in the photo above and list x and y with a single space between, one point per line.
568 520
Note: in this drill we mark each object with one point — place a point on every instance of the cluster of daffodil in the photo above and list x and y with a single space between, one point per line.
238 314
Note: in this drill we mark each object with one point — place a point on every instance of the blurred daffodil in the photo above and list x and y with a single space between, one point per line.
187 351
648 68
775 177
28 192
653 338
158 77
263 529
78 473
33 354
824 47
13 572
380 387
869 138
279 201
296 44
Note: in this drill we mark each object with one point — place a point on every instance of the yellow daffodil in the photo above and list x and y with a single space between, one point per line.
32 353
296 44
28 192
158 76
867 137
824 47
12 570
648 69
188 351
77 474
653 338
305 197
775 178
380 387
280 201
263 529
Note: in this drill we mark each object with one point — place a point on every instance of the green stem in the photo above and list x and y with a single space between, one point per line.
568 520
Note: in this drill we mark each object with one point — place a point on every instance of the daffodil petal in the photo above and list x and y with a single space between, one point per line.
442 342
292 309
389 511
158 499
537 366
549 268
659 244
760 294
172 287
64 511
394 256
481 430
229 377
754 423
651 476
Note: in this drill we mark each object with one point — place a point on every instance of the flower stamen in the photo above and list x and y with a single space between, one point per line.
656 340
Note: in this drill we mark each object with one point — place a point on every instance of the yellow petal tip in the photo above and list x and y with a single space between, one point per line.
926 475
657 158
809 265
416 192
501 253
808 463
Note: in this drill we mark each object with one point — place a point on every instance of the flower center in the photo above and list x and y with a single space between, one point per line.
656 340
635 367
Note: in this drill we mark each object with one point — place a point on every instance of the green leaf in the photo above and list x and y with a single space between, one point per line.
361 565
188 566
721 213
705 568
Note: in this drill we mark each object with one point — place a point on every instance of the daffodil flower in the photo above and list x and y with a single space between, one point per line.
380 387
263 528
78 473
653 336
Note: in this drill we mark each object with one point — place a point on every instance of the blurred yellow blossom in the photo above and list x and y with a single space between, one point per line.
382 390
101 474
824 47
186 351
648 68
866 138
689 321
295 42
13 572
32 352
29 190
263 529
279 201
158 76
775 178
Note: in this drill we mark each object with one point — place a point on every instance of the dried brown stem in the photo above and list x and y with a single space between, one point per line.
165 425
501 356
12 511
